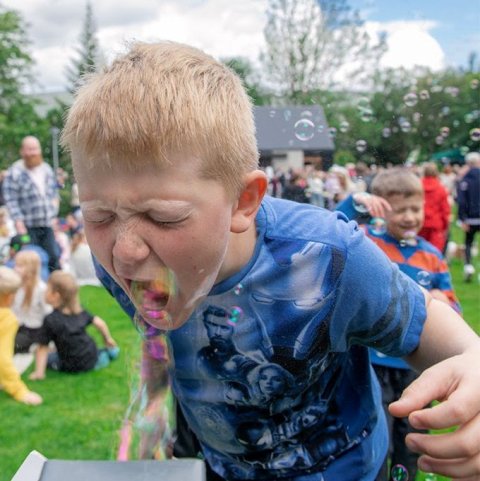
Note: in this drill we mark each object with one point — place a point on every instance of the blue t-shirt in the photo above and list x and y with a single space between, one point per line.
272 370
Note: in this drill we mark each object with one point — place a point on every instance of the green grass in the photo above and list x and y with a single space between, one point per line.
82 413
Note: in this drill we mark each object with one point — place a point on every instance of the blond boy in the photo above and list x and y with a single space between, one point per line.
164 153
9 377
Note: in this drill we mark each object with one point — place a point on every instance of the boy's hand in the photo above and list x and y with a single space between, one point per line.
454 382
35 376
109 342
32 398
376 206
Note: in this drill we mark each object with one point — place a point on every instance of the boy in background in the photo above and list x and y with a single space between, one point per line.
164 153
9 377
395 232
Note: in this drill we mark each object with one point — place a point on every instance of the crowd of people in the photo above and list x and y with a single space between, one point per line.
45 260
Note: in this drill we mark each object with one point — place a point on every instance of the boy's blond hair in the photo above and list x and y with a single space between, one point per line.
161 99
10 281
66 286
430 169
397 181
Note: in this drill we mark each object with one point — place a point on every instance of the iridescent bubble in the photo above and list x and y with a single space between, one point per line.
320 128
445 131
436 89
424 95
238 289
405 126
344 126
445 110
456 123
235 315
410 99
399 473
474 83
464 150
363 103
469 118
378 226
304 129
453 91
306 113
439 140
475 134
287 114
332 132
409 238
416 117
386 132
424 278
151 297
366 115
361 145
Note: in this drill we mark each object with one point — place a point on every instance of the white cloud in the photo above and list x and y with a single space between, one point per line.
410 44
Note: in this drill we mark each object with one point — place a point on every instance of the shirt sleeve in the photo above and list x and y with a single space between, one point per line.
9 376
10 195
376 305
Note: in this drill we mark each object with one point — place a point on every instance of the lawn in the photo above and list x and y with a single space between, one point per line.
82 413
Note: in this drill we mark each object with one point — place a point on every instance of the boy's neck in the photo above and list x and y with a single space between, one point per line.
239 251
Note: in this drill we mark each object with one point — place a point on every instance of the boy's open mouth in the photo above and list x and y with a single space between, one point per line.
151 297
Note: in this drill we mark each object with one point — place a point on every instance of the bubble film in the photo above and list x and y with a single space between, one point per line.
399 473
304 129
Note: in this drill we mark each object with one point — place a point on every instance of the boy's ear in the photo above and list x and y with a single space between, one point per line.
255 186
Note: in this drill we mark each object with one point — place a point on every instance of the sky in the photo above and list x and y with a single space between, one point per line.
433 33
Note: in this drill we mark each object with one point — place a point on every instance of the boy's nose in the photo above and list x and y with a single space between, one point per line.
130 248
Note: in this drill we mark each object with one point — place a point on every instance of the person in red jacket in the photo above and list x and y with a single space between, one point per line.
437 208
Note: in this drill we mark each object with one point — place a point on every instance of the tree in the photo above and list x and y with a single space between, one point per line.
88 52
313 45
17 113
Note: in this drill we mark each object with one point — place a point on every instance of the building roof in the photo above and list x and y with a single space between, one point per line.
292 128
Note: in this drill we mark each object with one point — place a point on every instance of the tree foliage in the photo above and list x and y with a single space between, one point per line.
88 52
312 44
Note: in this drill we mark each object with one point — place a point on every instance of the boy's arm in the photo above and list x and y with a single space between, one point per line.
102 327
450 352
376 206
41 358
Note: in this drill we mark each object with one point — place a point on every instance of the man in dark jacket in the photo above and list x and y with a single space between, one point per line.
468 198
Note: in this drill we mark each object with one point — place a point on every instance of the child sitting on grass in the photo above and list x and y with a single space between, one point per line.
9 377
66 326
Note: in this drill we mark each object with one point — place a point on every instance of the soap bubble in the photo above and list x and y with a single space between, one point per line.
405 126
378 226
332 132
304 129
235 315
399 473
474 83
424 95
445 131
475 134
424 278
409 238
366 115
287 114
386 132
238 289
361 145
410 99
344 126
439 140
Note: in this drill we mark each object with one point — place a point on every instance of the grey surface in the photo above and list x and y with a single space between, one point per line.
172 470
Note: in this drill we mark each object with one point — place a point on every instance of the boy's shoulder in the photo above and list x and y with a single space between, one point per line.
7 317
288 220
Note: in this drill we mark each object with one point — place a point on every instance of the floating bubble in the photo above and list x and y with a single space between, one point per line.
416 117
456 123
410 99
409 238
320 128
363 103
445 110
361 145
378 226
439 140
344 126
304 129
464 150
469 118
238 289
453 91
235 315
399 473
445 131
405 126
436 89
152 296
474 83
366 115
306 113
386 132
332 132
475 134
424 278
424 95
287 115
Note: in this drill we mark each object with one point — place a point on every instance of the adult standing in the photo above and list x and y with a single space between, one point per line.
31 195
468 198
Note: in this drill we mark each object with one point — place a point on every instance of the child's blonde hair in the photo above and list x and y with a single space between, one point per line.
31 275
162 99
396 181
66 286
10 281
